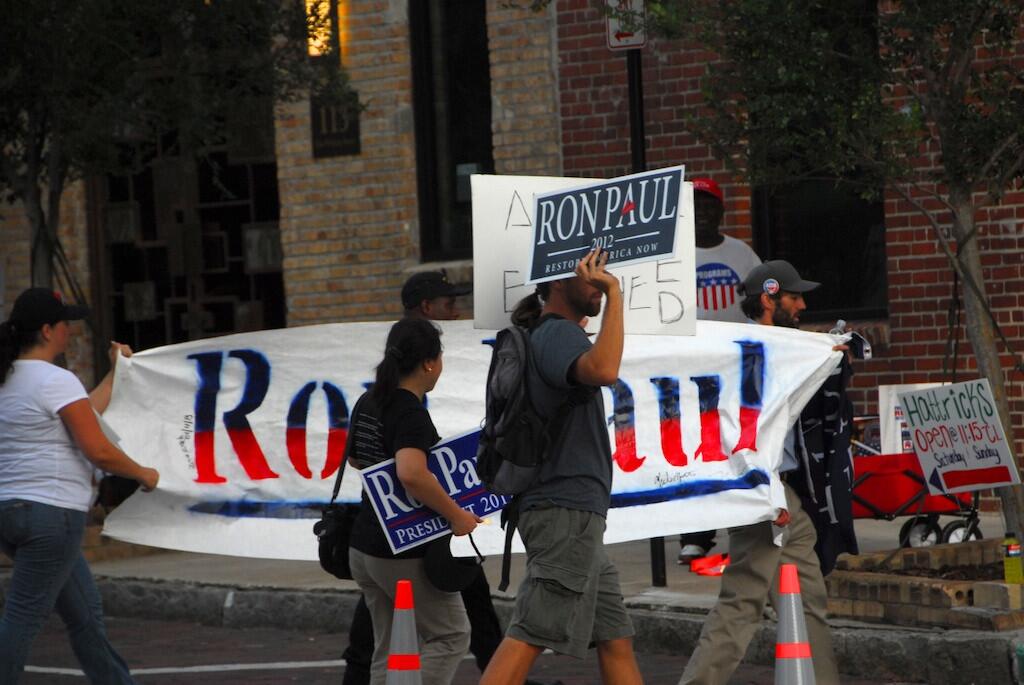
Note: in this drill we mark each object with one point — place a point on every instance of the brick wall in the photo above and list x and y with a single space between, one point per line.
524 96
595 108
349 225
15 254
910 346
15 246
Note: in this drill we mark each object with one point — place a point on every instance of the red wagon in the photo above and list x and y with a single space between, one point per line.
889 485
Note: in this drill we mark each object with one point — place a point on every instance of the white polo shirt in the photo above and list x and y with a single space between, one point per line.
39 461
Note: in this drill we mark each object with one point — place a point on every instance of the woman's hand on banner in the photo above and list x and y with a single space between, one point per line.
116 350
148 479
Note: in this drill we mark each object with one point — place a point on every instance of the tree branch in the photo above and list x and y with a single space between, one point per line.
943 241
994 157
9 171
961 48
1011 171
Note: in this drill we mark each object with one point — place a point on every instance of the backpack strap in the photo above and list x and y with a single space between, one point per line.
509 521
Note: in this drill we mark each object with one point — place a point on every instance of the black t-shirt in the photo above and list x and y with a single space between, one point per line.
377 435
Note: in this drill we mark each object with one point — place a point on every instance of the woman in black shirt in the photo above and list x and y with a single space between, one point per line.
391 421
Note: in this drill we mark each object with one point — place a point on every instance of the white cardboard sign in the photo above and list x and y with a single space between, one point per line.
658 297
894 433
957 435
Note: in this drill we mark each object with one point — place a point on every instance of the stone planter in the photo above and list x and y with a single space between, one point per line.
906 588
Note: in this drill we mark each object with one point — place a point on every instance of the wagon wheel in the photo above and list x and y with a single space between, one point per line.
961 530
920 531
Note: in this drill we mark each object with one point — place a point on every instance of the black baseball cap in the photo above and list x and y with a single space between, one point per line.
427 285
775 276
38 306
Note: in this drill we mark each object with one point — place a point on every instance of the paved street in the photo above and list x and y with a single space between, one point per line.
179 653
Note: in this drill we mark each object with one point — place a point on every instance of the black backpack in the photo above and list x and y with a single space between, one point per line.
515 439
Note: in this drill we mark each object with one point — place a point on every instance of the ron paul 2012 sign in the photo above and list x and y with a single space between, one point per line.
633 218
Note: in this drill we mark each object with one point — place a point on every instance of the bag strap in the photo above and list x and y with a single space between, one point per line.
480 557
344 456
509 519
341 472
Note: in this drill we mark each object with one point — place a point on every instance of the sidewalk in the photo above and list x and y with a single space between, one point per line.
241 592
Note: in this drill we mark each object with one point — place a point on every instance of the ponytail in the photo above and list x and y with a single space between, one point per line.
13 342
410 343
527 310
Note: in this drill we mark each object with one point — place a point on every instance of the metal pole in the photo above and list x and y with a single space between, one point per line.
638 143
638 146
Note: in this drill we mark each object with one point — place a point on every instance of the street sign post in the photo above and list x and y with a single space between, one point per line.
624 35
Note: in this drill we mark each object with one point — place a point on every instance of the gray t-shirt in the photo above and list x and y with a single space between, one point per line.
578 471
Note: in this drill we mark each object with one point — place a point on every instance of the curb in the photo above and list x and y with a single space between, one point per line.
875 652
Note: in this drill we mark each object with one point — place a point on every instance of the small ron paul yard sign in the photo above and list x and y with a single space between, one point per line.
632 217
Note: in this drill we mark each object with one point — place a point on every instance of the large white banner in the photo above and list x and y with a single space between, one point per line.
658 297
247 430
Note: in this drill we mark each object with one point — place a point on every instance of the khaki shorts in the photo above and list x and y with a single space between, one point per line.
570 597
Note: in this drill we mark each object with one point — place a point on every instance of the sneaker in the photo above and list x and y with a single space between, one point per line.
690 552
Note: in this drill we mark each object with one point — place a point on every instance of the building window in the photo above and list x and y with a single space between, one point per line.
831 235
824 227
452 105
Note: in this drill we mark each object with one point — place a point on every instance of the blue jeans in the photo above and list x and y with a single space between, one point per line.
50 572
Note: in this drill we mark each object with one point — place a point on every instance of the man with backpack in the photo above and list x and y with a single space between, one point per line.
570 596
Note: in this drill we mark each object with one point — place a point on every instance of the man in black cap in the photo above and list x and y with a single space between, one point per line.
430 295
773 296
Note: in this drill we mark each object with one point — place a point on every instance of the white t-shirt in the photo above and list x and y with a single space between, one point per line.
719 270
38 459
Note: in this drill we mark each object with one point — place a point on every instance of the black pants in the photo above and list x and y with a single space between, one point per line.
484 638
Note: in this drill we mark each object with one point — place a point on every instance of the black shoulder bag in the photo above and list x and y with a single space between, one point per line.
334 529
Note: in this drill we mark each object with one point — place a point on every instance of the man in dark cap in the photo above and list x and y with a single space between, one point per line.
773 296
430 295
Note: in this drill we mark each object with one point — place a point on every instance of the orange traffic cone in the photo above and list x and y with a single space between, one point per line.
793 665
404 654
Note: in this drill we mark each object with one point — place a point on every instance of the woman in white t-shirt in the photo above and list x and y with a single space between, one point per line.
50 442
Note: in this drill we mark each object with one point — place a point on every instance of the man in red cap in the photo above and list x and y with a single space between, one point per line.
722 264
722 261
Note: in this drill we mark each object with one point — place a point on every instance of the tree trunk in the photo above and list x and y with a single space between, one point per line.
982 335
42 241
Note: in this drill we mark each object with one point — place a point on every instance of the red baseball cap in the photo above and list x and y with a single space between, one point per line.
708 186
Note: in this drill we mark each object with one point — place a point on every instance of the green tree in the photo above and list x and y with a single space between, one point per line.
89 86
924 98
